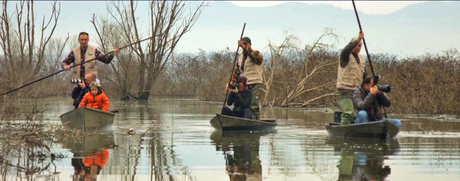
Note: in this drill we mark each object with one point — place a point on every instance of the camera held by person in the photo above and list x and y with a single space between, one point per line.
234 85
240 97
383 88
76 81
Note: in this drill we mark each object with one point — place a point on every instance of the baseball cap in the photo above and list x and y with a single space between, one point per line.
246 39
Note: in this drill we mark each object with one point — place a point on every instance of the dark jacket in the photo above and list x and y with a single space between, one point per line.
240 100
77 94
367 102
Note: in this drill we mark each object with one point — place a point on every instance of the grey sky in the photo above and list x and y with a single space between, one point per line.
416 31
374 7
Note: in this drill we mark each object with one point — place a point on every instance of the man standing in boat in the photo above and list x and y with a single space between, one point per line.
369 100
83 53
250 65
351 70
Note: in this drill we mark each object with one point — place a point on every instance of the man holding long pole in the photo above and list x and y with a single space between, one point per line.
250 65
85 52
66 67
350 74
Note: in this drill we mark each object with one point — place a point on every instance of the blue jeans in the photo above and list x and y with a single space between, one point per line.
361 158
363 118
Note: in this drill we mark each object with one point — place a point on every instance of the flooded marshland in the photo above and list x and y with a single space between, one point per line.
173 140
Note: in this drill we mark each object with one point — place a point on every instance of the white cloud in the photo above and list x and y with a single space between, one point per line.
373 7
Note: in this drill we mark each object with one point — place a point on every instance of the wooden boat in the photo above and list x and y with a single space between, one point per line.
87 119
374 130
92 143
230 123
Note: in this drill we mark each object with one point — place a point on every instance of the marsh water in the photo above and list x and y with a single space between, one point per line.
173 140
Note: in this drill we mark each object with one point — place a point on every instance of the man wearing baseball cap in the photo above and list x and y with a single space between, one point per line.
351 71
250 65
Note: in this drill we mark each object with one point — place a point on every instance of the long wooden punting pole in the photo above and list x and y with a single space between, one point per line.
234 63
25 85
365 47
364 41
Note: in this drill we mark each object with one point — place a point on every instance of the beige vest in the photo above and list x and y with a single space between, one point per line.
90 66
351 76
251 70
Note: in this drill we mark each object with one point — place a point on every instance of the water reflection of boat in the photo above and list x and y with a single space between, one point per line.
241 150
363 159
90 155
227 123
87 119
90 143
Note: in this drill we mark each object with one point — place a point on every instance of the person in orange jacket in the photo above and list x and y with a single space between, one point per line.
96 98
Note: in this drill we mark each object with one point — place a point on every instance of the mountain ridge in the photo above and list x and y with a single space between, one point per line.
414 29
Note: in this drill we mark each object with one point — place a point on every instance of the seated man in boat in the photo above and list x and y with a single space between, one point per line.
96 98
368 100
241 99
81 89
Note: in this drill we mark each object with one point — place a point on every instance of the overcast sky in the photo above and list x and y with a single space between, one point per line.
75 18
376 7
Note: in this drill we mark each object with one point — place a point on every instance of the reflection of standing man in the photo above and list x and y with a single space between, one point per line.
77 163
245 163
370 166
250 66
85 52
345 165
354 165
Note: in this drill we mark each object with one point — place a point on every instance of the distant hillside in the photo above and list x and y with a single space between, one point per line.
415 29
430 26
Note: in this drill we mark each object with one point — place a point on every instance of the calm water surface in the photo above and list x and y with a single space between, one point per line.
173 140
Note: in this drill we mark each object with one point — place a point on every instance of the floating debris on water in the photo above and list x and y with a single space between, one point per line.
131 131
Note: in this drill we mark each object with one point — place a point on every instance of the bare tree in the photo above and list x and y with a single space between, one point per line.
53 57
317 59
17 40
277 53
169 21
111 35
